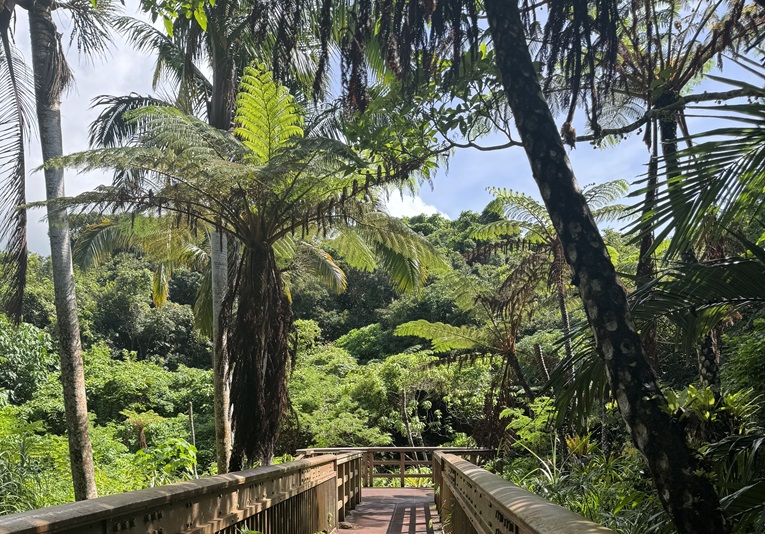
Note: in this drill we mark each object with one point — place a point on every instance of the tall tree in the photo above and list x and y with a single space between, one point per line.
51 77
264 185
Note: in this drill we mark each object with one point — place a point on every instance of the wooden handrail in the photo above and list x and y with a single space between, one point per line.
473 501
400 457
300 497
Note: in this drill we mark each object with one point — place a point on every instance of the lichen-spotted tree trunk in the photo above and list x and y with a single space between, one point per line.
48 85
221 383
689 497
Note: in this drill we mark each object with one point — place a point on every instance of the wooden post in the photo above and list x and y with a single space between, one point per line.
402 467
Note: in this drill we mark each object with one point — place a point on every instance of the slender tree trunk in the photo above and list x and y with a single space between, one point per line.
512 362
646 268
709 353
219 115
221 378
541 358
48 68
560 287
689 497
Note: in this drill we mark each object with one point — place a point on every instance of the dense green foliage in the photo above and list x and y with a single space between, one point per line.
345 326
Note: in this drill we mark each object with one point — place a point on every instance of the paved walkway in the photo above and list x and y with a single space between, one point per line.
395 511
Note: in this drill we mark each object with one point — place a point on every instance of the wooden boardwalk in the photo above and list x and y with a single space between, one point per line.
395 511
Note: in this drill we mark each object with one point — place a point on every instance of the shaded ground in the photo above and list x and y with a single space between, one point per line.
395 511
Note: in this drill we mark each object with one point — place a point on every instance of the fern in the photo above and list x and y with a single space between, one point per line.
443 337
266 116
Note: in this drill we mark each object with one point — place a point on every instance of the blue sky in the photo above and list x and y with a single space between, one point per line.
461 186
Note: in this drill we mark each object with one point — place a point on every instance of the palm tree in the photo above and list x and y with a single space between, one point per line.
264 186
51 76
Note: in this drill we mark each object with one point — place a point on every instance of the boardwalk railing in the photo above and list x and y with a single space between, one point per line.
473 501
301 497
393 462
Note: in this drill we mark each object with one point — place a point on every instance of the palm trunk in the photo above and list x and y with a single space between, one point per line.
689 497
219 115
221 379
48 84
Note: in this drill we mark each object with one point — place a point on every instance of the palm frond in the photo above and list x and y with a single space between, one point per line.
92 24
99 241
16 82
721 178
112 127
692 287
173 63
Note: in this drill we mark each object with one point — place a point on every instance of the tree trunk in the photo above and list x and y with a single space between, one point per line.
219 116
689 497
221 378
49 75
511 359
559 265
646 268
258 343
709 353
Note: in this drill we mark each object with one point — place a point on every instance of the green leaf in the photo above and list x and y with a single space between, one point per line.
201 17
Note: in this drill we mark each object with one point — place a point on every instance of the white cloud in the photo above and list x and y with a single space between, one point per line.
409 205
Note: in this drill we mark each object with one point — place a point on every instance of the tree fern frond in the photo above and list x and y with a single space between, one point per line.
599 196
266 115
325 268
496 229
443 337
354 250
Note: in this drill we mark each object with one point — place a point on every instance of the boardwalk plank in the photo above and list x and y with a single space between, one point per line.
396 511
